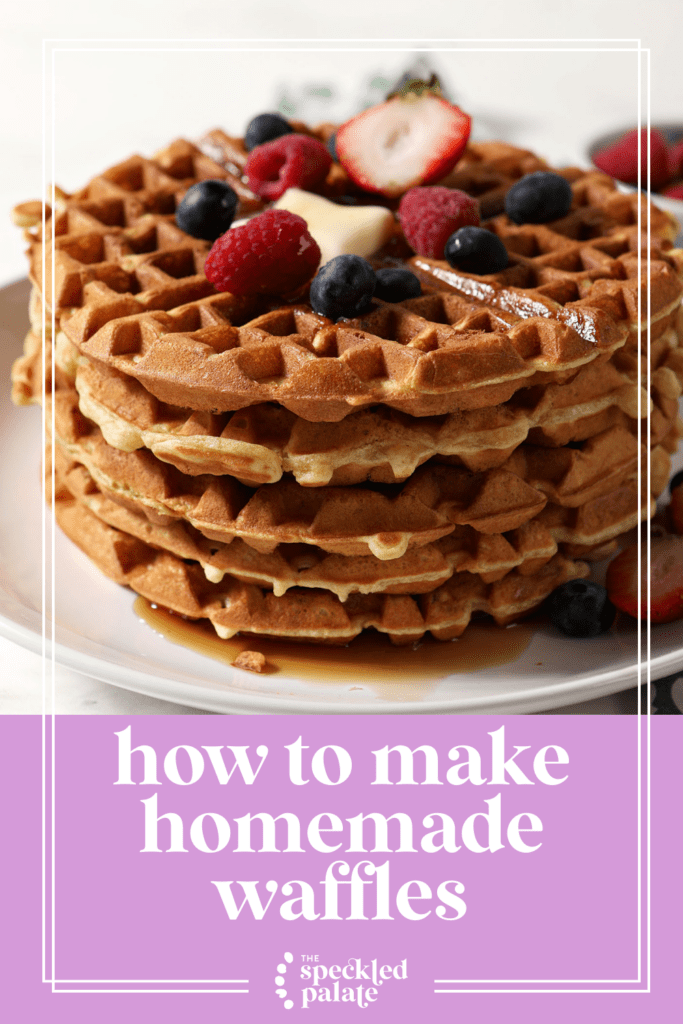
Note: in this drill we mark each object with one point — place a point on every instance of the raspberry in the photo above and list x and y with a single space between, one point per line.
621 159
273 253
430 214
292 161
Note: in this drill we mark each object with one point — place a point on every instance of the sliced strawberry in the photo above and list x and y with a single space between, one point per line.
621 159
411 139
666 580
675 191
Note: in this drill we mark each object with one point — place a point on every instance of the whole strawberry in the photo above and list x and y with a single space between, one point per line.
666 580
430 214
414 138
620 160
273 253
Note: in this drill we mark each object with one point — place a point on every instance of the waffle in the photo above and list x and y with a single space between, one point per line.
424 356
247 461
120 262
198 356
352 520
420 570
313 615
260 443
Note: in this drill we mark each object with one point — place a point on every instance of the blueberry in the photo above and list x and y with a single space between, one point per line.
332 147
676 481
207 209
581 608
343 287
265 127
394 285
476 250
539 197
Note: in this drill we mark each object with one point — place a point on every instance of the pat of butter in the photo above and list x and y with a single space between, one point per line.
339 230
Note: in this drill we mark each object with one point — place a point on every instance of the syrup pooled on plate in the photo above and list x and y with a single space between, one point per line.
369 658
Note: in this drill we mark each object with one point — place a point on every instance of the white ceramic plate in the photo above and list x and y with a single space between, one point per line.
99 633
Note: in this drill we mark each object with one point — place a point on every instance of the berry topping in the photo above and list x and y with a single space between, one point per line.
621 159
396 284
412 139
272 253
293 161
538 198
581 608
207 209
675 192
430 215
265 128
476 251
343 287
666 580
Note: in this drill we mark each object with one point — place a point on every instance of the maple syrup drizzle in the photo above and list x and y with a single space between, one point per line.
370 658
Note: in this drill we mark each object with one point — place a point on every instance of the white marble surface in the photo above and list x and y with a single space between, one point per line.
111 104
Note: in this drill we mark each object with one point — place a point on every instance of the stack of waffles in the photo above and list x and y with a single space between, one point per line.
257 465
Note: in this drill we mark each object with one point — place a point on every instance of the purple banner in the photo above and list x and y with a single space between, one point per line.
399 866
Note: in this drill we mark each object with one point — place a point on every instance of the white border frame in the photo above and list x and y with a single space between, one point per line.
48 820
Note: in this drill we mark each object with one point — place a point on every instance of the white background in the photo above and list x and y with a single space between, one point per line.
112 104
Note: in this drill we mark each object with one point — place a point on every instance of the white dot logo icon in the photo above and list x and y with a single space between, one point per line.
280 980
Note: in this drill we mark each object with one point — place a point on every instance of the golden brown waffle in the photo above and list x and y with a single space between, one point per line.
290 565
383 521
420 570
424 356
313 615
458 356
120 260
459 451
260 443
547 266
488 169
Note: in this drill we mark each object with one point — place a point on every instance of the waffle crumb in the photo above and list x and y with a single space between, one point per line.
251 661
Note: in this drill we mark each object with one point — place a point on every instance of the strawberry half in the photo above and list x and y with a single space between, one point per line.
666 580
414 138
